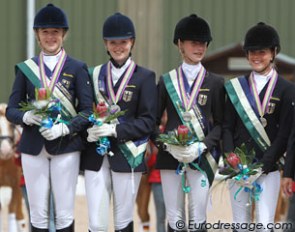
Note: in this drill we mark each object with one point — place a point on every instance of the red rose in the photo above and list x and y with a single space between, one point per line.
233 160
42 94
182 132
101 109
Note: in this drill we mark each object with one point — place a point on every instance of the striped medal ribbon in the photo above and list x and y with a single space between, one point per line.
262 107
56 73
116 97
188 99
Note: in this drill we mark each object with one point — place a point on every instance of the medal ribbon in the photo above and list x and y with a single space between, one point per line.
262 107
189 99
56 73
129 72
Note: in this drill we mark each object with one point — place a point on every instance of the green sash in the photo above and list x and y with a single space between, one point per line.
94 74
250 120
31 71
133 151
207 162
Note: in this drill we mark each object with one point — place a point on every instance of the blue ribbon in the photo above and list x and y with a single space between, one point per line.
92 119
243 173
181 170
47 122
255 191
103 143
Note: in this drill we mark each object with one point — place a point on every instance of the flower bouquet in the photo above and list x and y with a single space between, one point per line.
104 114
44 106
182 136
239 166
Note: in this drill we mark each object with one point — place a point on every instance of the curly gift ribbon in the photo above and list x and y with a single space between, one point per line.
103 143
181 170
255 191
243 173
47 121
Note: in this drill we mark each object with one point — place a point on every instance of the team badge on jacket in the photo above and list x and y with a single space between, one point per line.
66 83
202 99
271 108
127 96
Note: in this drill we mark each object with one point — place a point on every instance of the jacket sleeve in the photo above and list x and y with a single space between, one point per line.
20 93
289 167
279 144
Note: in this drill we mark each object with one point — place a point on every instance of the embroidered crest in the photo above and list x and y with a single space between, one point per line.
202 99
66 83
127 96
271 108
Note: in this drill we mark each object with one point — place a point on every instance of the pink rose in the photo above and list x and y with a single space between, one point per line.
101 109
182 132
233 160
42 94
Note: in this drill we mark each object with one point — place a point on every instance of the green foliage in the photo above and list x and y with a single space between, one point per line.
172 138
114 116
43 111
247 161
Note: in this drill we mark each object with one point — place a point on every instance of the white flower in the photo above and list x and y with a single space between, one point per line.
41 104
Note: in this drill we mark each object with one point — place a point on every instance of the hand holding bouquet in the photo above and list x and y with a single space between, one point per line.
103 118
104 114
180 137
185 148
41 110
182 145
241 168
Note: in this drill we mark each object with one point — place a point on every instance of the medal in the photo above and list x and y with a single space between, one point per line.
262 108
114 109
188 98
57 71
263 121
187 117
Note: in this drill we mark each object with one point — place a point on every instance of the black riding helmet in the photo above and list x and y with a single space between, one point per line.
51 16
118 26
262 36
192 28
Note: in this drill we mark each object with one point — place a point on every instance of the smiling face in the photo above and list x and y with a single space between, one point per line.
50 39
192 51
119 49
261 60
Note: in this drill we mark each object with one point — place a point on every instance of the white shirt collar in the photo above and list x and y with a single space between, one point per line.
261 80
191 71
117 72
50 60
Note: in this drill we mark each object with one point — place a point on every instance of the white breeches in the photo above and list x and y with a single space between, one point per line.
44 173
174 196
99 187
265 207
